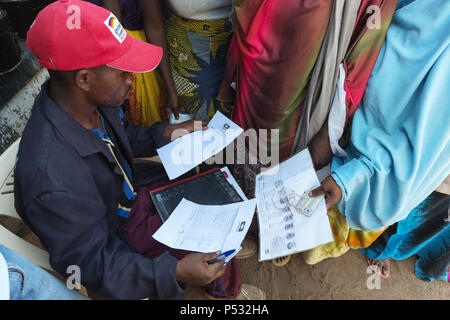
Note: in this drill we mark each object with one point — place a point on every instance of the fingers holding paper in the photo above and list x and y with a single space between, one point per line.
330 189
175 131
194 268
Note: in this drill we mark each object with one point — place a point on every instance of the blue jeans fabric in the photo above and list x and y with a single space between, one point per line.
28 281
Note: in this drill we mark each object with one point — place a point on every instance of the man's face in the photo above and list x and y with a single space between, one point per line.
110 87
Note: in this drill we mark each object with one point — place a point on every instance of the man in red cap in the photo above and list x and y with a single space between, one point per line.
75 176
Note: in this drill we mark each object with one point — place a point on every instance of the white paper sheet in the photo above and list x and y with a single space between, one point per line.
282 229
185 153
234 183
204 228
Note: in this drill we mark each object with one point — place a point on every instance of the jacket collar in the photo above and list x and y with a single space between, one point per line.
84 141
78 136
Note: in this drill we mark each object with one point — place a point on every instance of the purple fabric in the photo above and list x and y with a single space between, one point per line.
131 13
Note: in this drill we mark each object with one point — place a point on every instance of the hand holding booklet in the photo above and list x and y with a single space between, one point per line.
207 228
289 220
185 153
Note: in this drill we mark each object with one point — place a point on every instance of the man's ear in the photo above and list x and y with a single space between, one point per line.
82 79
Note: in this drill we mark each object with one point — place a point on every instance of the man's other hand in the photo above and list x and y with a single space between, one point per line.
330 189
175 131
194 269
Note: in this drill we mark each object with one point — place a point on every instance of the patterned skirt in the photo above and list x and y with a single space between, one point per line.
197 51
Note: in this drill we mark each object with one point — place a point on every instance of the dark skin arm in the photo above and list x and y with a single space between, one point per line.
174 131
155 33
330 189
225 97
320 148
321 155
114 7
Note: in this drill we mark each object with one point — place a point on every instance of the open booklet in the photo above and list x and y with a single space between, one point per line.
289 220
207 228
213 187
188 151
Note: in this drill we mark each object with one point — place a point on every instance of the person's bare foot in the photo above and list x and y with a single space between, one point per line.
380 267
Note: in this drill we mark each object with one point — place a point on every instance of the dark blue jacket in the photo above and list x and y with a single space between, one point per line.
67 188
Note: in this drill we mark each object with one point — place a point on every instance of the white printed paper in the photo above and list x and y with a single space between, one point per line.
234 183
283 229
185 153
205 228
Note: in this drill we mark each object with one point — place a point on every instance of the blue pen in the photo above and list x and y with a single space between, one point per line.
222 255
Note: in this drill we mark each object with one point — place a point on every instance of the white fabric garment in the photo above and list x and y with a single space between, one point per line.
336 118
202 9
4 279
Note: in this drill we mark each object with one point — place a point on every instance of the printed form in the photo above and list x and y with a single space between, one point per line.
188 151
205 228
290 221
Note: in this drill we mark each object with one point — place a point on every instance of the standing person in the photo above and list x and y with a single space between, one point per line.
75 176
153 94
286 58
399 149
198 36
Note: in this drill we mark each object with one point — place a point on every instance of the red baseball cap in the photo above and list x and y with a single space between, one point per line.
75 34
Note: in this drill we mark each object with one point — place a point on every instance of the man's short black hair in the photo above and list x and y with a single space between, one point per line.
62 77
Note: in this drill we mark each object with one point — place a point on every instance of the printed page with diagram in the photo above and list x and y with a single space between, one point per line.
289 220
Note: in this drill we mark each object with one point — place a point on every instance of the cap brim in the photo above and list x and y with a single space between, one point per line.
140 57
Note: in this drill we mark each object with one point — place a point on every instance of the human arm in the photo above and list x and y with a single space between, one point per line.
73 227
226 92
114 7
79 236
155 33
145 140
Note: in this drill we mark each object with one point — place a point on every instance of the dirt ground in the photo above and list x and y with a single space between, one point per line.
343 278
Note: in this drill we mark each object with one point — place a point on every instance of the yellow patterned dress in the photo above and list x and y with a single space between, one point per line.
345 238
197 51
148 94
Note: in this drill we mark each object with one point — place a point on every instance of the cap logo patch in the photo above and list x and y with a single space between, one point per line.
116 28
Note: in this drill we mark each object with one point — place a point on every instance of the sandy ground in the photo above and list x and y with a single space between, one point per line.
343 278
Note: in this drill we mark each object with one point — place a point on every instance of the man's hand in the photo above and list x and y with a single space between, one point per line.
175 131
194 269
331 191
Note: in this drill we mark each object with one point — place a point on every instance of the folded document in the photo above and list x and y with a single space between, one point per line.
185 153
207 228
289 220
